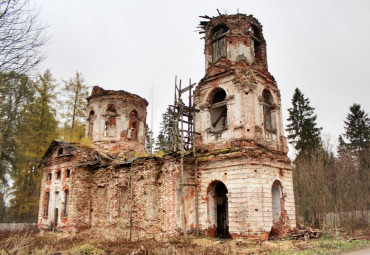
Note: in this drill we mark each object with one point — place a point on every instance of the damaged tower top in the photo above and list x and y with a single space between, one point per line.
235 38
116 121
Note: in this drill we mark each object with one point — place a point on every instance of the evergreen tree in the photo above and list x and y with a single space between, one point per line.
302 128
357 134
342 146
149 140
355 148
76 93
165 138
357 128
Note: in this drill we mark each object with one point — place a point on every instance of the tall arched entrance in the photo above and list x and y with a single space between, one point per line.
280 219
218 209
276 201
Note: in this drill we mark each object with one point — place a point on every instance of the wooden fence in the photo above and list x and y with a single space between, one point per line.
17 226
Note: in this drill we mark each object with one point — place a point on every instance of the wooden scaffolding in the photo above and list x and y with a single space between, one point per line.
184 141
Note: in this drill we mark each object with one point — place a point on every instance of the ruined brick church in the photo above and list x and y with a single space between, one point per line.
235 180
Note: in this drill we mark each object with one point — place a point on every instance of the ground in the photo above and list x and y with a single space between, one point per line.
105 242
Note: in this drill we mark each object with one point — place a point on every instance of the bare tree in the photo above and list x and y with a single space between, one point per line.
21 36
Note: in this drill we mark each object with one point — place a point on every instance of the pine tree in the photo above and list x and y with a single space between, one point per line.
357 128
356 148
76 93
149 140
165 138
302 128
357 134
342 146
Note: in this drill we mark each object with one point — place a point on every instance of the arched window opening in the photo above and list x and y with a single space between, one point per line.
60 151
256 42
133 125
91 122
65 208
276 201
218 42
268 114
219 110
110 121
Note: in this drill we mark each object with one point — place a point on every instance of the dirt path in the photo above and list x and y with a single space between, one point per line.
363 251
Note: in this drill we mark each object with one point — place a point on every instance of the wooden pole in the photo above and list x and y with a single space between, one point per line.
182 161
131 202
196 181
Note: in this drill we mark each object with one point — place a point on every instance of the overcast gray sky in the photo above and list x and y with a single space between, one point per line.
319 46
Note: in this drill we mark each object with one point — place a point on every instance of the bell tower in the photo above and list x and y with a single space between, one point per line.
238 99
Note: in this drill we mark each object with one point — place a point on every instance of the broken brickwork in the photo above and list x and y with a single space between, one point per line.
244 179
116 122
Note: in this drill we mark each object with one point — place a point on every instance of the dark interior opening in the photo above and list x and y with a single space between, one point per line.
267 111
56 215
222 230
219 96
257 49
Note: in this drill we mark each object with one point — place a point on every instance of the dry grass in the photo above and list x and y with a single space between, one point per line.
100 241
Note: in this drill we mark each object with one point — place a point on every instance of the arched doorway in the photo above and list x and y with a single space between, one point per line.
218 209
276 201
280 219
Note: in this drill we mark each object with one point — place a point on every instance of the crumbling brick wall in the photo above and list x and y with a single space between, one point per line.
154 198
100 193
60 174
116 122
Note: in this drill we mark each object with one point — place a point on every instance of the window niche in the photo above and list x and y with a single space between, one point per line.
256 43
91 123
268 112
65 208
110 121
218 110
47 200
218 42
133 125
58 174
